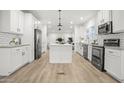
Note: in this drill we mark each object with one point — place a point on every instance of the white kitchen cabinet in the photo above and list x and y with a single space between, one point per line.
104 16
11 21
21 22
79 48
90 52
12 59
118 21
25 54
16 59
100 18
114 63
5 56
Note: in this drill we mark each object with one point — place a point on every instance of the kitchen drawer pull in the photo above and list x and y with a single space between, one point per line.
17 49
110 51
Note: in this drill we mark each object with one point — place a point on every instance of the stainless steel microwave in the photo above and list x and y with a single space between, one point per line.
105 28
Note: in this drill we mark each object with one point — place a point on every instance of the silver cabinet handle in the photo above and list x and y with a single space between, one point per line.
17 49
110 51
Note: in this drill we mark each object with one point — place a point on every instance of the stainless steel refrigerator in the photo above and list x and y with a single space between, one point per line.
37 43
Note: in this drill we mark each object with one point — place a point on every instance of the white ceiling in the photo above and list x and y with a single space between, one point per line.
67 16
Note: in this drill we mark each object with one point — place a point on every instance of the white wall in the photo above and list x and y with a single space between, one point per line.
5 38
44 37
81 29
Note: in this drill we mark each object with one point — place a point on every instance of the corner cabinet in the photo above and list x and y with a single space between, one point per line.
118 21
104 16
114 63
11 21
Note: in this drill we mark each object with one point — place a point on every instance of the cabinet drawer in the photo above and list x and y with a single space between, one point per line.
113 52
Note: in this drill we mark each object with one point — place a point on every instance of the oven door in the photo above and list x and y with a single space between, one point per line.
98 57
96 52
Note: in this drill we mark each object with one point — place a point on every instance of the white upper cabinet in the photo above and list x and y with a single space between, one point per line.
21 22
11 21
104 16
118 21
100 17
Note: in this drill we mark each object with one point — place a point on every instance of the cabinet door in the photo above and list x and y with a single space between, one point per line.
21 22
4 20
100 18
106 15
113 62
108 60
16 54
89 52
14 20
118 20
116 66
25 54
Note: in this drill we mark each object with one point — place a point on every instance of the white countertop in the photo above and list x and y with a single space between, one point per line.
116 48
61 44
13 46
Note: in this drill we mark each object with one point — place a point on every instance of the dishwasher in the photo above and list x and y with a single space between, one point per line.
85 51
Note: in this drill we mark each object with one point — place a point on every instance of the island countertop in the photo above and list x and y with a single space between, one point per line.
61 44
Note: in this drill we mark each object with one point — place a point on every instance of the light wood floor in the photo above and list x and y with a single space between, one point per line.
41 71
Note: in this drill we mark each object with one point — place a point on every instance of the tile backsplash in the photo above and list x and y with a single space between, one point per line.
5 38
111 36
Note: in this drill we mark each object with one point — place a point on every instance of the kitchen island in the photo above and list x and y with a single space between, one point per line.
60 53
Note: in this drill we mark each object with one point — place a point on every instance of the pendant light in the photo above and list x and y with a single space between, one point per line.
59 24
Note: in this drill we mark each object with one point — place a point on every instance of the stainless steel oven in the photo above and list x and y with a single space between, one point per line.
105 28
98 57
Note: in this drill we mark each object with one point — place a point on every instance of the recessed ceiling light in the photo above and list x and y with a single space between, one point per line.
81 18
49 22
38 22
71 22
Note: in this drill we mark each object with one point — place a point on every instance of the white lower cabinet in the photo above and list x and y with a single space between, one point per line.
16 59
114 63
80 49
90 52
25 54
12 59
